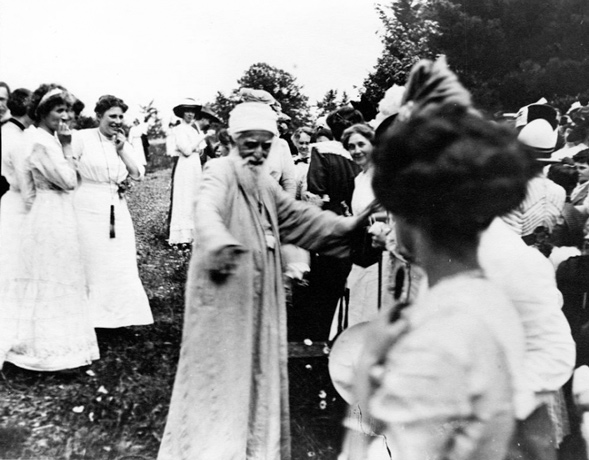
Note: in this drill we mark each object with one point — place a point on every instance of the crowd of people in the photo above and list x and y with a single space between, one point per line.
67 244
440 253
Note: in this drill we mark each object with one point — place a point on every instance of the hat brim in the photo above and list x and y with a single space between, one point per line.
211 116
548 160
180 109
343 359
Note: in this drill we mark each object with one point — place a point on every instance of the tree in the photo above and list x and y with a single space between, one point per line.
406 40
512 52
508 53
279 83
223 105
330 102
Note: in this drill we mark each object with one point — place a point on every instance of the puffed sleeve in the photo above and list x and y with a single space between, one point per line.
53 167
428 386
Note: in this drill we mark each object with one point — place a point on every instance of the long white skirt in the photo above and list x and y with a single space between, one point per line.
12 214
117 297
45 298
363 285
186 179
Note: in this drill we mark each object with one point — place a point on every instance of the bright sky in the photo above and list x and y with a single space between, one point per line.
141 50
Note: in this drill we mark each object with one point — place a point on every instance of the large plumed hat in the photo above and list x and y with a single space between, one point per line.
389 105
252 116
431 84
186 103
257 95
263 96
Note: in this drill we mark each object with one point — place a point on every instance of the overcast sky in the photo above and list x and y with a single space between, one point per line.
165 50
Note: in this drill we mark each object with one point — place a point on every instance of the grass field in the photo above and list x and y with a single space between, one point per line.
116 408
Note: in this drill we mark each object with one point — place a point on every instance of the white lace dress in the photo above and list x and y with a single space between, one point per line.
117 297
46 298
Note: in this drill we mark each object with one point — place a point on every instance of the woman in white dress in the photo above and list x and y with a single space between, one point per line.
105 160
188 143
364 283
46 297
14 152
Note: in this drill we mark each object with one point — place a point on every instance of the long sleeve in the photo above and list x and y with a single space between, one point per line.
54 168
185 142
211 233
310 228
131 152
27 187
528 279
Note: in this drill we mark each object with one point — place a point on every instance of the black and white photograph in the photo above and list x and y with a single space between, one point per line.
293 230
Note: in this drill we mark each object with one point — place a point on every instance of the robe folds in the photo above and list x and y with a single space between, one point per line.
230 397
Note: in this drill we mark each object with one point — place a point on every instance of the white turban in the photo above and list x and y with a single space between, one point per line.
252 116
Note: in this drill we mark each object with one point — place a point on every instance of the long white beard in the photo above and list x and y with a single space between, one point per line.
250 175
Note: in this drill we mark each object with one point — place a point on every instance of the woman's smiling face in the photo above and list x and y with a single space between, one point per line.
360 148
111 121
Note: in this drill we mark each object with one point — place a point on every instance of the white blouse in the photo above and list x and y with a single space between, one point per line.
97 157
363 194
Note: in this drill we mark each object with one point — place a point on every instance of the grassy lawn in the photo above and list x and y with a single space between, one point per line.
116 408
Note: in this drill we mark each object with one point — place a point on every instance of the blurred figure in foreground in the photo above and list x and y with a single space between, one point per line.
230 398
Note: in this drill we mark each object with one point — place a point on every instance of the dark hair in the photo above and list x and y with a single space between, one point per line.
223 136
36 111
18 102
581 156
343 118
451 173
78 107
359 128
5 85
321 131
578 133
564 175
108 102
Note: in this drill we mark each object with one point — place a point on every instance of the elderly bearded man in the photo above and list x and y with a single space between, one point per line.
230 398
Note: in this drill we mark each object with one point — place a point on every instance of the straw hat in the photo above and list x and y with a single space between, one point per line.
205 112
343 359
186 103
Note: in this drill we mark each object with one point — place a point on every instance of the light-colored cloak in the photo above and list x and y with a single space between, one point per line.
230 397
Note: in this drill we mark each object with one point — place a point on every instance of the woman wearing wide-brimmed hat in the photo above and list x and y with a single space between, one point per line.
189 141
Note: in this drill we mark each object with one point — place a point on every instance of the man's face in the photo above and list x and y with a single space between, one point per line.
303 143
583 170
254 146
3 100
